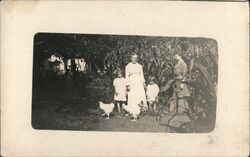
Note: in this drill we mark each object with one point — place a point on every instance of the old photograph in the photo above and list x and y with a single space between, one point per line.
124 78
124 83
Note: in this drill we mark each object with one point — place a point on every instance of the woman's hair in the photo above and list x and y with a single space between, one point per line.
177 53
118 71
151 78
133 54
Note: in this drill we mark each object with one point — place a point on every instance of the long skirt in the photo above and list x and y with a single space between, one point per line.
136 95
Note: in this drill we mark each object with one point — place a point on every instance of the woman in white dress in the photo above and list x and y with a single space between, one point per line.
135 83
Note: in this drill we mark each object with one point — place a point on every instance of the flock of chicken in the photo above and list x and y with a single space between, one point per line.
108 108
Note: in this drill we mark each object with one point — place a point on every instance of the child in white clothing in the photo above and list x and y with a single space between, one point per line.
120 90
152 94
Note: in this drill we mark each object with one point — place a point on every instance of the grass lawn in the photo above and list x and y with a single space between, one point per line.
52 110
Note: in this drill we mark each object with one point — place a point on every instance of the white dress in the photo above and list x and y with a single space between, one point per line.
152 92
82 64
61 68
120 89
68 63
135 79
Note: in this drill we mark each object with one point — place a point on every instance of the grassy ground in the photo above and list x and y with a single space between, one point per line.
83 113
53 110
91 120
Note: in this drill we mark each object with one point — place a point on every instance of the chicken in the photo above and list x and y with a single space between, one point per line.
133 110
107 108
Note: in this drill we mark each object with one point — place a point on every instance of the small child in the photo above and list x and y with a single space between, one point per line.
152 94
120 90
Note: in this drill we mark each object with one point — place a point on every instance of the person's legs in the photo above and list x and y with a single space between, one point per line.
118 107
145 104
121 106
154 108
150 105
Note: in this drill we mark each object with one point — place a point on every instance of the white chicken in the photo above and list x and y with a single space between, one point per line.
133 110
107 108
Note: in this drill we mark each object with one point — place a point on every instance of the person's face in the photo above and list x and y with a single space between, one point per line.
134 59
176 57
119 75
151 82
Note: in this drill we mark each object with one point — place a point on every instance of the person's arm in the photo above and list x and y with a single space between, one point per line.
142 75
183 68
83 66
157 90
142 78
114 84
127 77
167 86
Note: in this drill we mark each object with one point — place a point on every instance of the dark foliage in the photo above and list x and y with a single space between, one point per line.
106 53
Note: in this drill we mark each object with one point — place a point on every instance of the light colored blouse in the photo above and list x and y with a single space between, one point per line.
134 73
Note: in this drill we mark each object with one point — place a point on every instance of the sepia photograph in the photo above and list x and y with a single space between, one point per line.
124 78
124 83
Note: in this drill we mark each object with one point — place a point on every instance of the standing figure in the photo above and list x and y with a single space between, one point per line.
68 64
152 95
61 67
82 65
55 59
135 83
77 62
81 69
120 90
181 91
